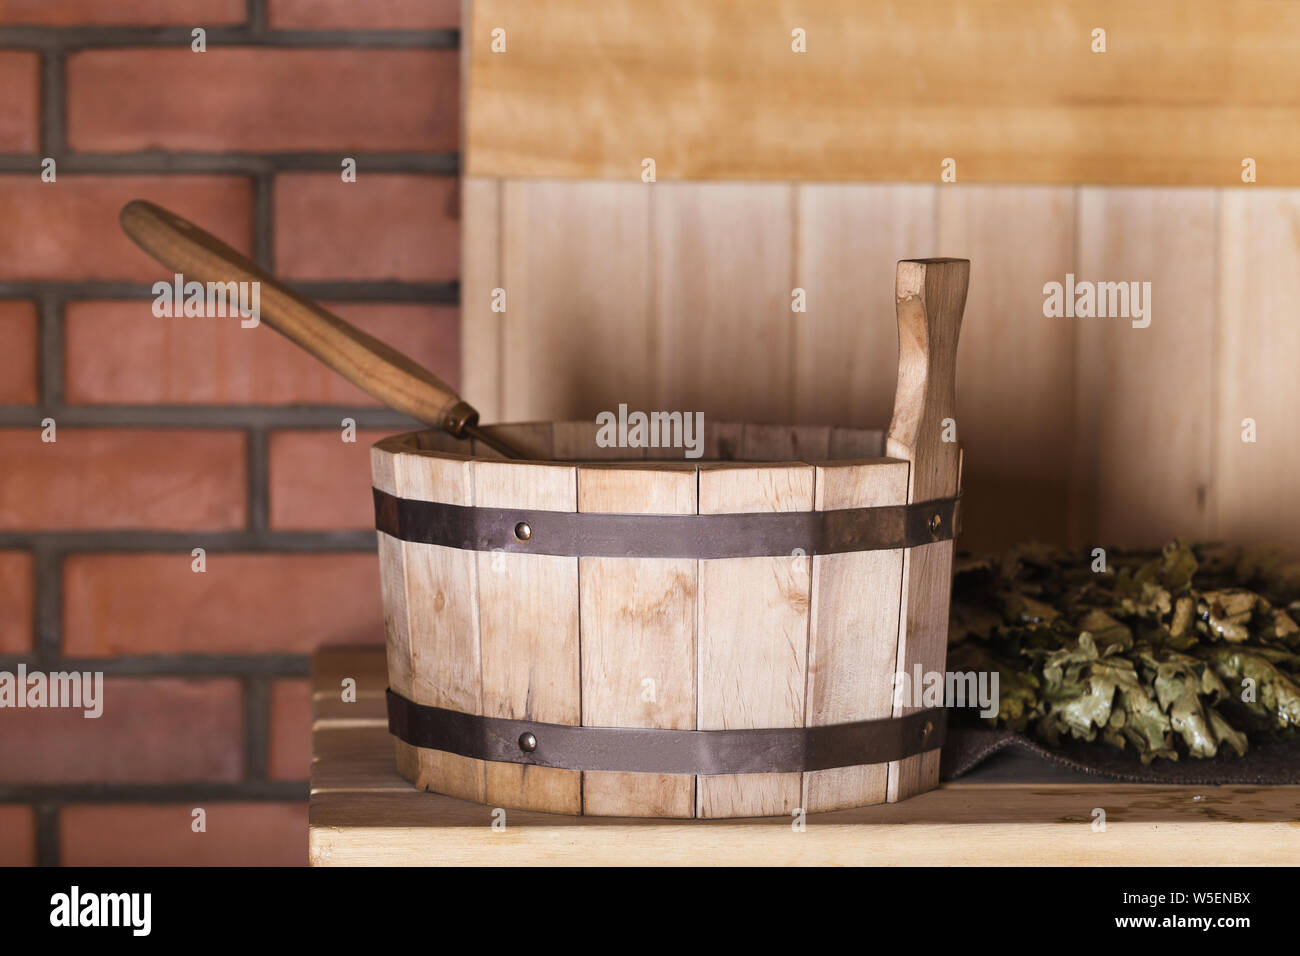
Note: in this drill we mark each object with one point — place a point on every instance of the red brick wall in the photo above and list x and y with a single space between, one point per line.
175 434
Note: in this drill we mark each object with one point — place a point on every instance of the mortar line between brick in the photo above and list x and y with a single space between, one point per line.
359 290
257 727
200 416
54 796
244 163
48 851
69 39
264 221
259 487
49 602
257 17
51 344
53 104
282 542
271 666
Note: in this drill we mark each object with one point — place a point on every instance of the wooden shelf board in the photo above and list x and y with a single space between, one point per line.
363 813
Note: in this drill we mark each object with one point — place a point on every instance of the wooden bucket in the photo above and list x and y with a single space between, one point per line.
627 632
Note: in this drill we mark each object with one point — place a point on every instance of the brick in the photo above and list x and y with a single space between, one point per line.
263 99
152 730
237 834
242 604
18 358
383 226
117 352
319 482
17 835
65 13
20 78
290 743
17 595
162 478
373 15
69 230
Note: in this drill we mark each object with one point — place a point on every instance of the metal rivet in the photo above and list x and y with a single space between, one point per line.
927 729
936 522
527 742
523 531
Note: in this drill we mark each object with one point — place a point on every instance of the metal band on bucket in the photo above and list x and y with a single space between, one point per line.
643 750
582 534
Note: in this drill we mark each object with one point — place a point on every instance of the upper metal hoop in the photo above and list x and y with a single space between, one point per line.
581 534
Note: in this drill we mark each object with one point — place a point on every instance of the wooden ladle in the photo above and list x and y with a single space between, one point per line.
388 375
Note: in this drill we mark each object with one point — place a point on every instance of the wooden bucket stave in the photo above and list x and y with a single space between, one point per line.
682 643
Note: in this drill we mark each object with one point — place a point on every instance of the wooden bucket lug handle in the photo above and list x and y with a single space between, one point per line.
931 297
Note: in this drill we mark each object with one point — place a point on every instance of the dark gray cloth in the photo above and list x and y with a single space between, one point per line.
1277 762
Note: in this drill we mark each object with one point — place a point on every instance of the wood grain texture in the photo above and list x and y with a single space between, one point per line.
846 345
716 286
785 443
482 330
722 284
442 609
923 641
1038 825
853 631
393 586
1256 367
638 626
576 326
1053 409
576 441
850 443
931 295
528 633
885 91
1146 396
753 636
1015 368
392 573
362 813
534 440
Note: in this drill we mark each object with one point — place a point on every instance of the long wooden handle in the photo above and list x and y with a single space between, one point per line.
931 296
385 373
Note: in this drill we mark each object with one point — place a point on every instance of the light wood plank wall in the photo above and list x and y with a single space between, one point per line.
1123 166
1083 430
885 89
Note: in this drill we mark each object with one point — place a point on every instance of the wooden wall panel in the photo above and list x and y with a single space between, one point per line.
1011 89
576 330
1080 429
722 282
675 295
1258 367
480 273
1015 368
1146 396
849 238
